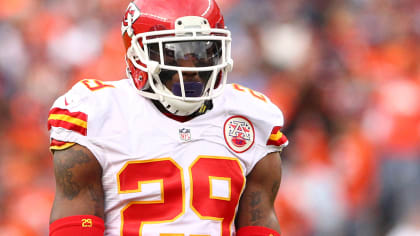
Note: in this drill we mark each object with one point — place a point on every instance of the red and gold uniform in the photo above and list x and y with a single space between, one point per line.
161 176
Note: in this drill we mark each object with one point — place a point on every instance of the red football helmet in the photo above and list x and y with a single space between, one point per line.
174 39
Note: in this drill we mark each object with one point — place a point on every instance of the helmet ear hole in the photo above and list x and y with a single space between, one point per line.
138 76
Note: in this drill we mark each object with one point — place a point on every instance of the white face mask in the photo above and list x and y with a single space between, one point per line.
185 66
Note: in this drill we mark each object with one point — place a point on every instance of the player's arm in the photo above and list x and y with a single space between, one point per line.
79 198
256 215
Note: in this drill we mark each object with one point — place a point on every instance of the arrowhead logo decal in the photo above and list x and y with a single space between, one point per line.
131 15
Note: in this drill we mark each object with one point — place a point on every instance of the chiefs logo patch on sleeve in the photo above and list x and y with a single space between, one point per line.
277 138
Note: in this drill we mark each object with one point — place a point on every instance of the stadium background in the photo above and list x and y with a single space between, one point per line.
346 74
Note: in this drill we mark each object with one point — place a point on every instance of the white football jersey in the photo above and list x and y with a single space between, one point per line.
162 177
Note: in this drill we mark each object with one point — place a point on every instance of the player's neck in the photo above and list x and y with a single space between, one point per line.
207 104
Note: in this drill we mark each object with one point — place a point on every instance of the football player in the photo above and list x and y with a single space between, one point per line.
173 149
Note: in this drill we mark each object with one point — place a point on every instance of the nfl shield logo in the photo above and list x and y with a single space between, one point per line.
185 134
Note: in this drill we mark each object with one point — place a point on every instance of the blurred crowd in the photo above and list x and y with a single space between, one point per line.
346 74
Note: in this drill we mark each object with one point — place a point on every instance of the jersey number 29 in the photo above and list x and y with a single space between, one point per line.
169 175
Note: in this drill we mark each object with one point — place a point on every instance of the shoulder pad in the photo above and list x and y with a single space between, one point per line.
69 112
266 116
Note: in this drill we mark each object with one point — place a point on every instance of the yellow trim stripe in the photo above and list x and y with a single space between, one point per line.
167 234
277 136
62 147
69 119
